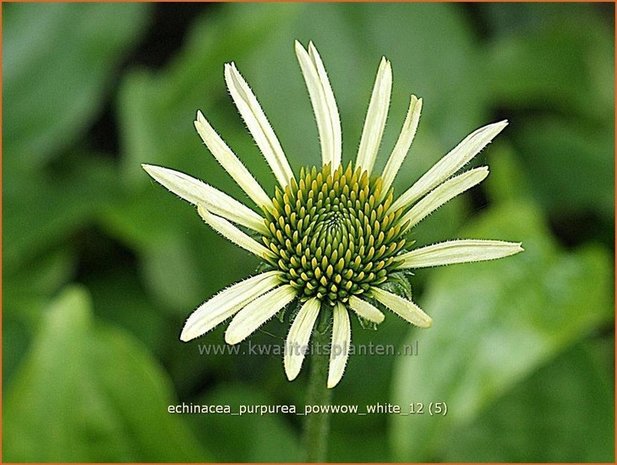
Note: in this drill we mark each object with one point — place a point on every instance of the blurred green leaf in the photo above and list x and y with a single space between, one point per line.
562 413
494 324
19 317
119 298
567 64
569 165
87 392
250 437
58 60
43 212
24 294
51 271
507 182
506 19
368 445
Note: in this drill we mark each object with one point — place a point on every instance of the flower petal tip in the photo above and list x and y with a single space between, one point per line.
148 168
426 324
232 338
291 372
156 172
187 335
513 248
386 67
501 124
416 103
312 49
332 383
230 67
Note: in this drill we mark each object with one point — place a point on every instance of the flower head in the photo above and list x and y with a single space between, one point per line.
333 238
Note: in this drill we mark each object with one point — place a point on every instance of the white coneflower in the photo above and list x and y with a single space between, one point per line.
333 236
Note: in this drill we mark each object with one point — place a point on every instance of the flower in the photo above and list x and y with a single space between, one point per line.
333 237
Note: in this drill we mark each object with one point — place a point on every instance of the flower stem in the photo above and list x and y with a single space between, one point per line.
317 425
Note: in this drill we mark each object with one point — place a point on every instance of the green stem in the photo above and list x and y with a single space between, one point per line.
317 425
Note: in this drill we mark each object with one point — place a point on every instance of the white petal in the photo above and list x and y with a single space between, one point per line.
298 338
241 239
199 193
450 163
403 143
341 340
462 251
404 308
324 105
332 107
258 124
230 162
226 303
365 309
444 193
375 117
258 312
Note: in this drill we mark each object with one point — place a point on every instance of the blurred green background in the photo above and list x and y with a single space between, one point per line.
101 266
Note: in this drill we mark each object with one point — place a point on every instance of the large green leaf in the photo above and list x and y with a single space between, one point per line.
87 392
57 61
494 324
563 413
